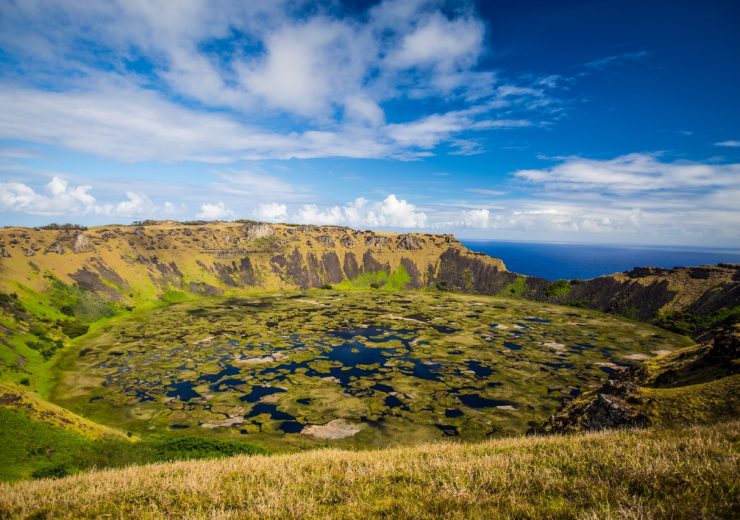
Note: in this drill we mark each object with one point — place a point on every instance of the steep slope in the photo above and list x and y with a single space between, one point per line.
687 473
41 439
130 264
697 384
126 263
684 299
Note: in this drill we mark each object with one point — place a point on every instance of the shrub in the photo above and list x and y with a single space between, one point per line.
66 227
73 328
54 471
46 347
558 289
516 288
201 448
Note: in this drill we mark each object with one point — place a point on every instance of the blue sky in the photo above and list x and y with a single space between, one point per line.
546 121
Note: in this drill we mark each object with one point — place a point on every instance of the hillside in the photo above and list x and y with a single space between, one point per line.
678 474
191 340
697 384
128 265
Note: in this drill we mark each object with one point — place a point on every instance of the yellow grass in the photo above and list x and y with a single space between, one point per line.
690 473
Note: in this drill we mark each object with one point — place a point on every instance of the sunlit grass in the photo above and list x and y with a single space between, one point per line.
689 473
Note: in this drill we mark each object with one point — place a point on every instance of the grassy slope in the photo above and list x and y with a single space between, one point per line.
692 404
38 436
688 473
41 439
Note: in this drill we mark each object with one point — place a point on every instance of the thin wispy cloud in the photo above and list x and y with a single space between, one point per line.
616 59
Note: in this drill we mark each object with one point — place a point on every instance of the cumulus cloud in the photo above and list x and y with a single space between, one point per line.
476 218
59 198
271 211
215 211
390 212
440 43
329 74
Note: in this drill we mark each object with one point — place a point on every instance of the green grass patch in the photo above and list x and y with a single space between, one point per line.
689 323
35 449
558 289
393 281
515 288
172 296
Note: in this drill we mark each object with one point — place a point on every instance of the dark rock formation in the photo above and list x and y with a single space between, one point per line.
325 240
332 268
370 264
237 275
374 240
90 280
471 273
351 268
410 242
54 247
204 289
608 408
411 269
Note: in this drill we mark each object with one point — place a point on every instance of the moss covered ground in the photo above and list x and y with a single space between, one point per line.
377 367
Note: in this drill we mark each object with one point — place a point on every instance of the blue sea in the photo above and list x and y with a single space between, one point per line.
554 261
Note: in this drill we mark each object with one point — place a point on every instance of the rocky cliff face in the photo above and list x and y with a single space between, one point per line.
129 263
693 385
685 299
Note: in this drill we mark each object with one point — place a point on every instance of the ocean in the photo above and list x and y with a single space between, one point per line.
555 261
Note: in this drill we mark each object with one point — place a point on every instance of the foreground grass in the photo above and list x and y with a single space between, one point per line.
690 473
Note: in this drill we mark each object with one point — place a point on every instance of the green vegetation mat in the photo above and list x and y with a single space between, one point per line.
345 368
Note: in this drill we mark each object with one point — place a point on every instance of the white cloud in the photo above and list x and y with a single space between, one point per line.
441 43
486 191
215 211
62 199
729 144
635 198
608 61
391 212
311 66
476 218
632 173
398 212
330 73
127 123
271 211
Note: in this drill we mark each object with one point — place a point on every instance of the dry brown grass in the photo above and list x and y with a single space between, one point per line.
691 473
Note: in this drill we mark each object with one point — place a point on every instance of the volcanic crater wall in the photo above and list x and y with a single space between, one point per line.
129 263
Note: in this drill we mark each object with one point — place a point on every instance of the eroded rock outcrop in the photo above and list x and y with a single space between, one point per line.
258 231
707 374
